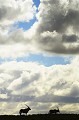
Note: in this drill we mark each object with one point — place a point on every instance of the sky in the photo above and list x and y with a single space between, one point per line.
39 55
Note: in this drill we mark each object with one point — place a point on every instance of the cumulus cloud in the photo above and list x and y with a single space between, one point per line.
35 83
16 10
55 31
11 12
57 26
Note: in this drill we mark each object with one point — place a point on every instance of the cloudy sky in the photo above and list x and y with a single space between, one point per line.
39 55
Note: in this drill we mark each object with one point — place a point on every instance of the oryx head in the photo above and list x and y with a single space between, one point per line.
28 107
58 109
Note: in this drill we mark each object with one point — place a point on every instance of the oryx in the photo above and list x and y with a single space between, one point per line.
26 110
54 111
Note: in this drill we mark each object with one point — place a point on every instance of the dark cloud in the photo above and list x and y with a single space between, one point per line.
72 18
4 91
61 18
74 91
2 12
60 85
57 17
27 81
57 99
69 38
17 98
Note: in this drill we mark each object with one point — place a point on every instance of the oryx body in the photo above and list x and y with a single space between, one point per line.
54 111
26 110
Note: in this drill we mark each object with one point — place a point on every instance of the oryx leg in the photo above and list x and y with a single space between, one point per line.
20 112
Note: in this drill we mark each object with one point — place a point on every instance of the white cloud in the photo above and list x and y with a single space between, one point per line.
32 82
56 30
11 12
3 96
16 10
16 44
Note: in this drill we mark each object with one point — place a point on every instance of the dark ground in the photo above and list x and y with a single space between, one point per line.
41 117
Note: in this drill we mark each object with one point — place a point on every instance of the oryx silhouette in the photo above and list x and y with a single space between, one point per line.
26 110
54 111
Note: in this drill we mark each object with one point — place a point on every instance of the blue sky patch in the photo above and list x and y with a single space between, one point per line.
41 59
36 2
26 25
45 60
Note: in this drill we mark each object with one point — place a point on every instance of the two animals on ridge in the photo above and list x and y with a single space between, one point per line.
26 110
